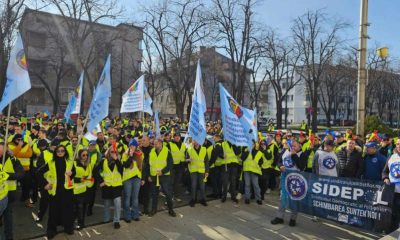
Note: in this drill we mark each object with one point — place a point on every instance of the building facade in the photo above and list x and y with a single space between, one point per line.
216 68
59 48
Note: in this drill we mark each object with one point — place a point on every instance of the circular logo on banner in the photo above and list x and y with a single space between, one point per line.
287 162
21 59
395 170
329 163
296 186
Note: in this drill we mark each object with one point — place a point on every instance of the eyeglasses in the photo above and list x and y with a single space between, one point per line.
84 155
60 151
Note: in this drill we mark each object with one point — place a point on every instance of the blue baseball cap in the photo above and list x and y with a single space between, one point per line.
92 142
372 144
133 142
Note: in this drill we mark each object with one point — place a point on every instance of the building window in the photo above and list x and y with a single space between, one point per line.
65 94
39 67
36 39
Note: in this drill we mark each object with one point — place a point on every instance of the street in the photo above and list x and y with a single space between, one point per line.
217 221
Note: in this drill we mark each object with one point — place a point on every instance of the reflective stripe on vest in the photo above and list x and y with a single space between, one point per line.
251 164
51 176
132 171
229 154
158 162
9 168
178 155
267 163
111 178
197 160
82 173
3 183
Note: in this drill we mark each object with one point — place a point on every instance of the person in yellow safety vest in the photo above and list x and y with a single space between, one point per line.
82 176
23 152
270 153
252 161
94 158
303 126
178 151
45 156
198 168
74 143
340 142
62 136
15 173
132 161
3 190
229 171
18 129
213 170
309 153
109 174
159 168
58 175
33 166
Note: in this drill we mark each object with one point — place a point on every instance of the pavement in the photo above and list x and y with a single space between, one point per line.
222 221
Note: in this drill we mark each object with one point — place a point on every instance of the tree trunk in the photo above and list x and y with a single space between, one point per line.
279 114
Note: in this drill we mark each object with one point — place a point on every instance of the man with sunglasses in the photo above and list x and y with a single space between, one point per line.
386 146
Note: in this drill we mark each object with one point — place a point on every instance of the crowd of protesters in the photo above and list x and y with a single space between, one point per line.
60 171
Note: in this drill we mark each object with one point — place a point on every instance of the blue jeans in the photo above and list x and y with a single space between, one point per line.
251 179
117 209
131 198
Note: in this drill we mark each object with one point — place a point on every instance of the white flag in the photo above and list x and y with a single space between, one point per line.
137 99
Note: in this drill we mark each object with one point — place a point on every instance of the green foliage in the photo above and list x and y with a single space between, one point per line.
374 123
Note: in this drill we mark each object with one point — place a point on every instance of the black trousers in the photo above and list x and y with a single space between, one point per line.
26 186
230 177
61 211
80 206
176 178
266 180
144 196
91 197
43 203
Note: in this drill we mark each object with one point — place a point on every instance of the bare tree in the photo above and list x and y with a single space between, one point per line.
281 62
316 46
174 29
236 28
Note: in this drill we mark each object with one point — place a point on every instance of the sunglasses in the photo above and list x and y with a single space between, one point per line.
84 155
60 151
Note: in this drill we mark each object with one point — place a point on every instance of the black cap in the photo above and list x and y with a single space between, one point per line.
329 142
16 136
55 142
42 143
36 127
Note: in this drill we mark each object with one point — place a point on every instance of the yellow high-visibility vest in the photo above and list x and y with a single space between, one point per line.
111 178
197 164
251 163
132 171
82 173
51 176
178 154
3 183
158 161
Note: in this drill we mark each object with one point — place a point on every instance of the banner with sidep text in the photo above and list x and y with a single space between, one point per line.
354 202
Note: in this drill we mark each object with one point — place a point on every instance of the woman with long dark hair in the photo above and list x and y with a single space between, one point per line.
58 175
82 177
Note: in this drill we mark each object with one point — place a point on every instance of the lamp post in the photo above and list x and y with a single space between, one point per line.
362 72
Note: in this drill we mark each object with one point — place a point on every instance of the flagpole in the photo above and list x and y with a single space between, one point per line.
81 134
6 137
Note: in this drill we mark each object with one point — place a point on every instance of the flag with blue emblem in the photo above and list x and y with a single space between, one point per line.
157 125
137 99
197 124
101 98
18 81
239 123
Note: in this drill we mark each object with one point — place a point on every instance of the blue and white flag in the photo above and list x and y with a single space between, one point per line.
69 109
157 125
197 124
239 125
18 81
137 99
74 105
101 98
92 135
